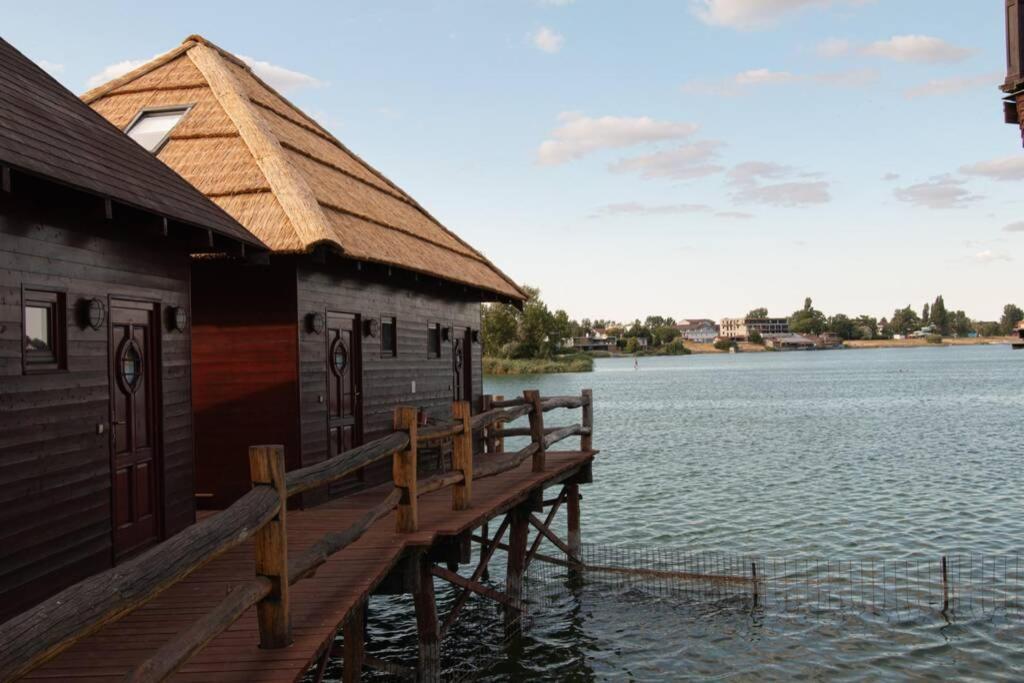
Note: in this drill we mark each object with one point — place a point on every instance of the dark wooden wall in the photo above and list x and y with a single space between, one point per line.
245 367
55 469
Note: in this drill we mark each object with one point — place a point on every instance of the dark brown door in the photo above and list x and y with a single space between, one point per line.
462 365
344 385
134 429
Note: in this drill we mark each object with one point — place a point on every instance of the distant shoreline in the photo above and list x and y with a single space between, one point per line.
917 343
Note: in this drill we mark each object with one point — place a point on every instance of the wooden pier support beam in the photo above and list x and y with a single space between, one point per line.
572 510
429 669
266 465
354 632
519 526
586 436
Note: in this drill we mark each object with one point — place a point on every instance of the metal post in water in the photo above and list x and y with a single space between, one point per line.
945 586
753 577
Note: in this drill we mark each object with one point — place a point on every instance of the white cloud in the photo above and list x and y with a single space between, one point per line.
942 192
683 163
51 68
749 180
741 82
790 195
916 48
951 86
889 177
638 209
738 215
115 70
547 40
579 135
1014 227
279 77
1007 168
989 256
752 14
834 47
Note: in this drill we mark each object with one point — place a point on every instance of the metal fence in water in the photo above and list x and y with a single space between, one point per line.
957 585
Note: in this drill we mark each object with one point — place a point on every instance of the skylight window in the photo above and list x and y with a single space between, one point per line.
151 128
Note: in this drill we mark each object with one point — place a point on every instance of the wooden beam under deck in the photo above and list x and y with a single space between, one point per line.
319 605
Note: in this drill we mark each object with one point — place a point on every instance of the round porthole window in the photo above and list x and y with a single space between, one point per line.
339 357
130 366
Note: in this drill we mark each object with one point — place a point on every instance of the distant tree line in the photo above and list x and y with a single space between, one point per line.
904 321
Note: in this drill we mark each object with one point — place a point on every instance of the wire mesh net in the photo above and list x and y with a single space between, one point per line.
956 585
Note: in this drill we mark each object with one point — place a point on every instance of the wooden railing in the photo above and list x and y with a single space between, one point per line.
39 634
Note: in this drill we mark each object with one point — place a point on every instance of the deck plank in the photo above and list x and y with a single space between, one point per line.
319 604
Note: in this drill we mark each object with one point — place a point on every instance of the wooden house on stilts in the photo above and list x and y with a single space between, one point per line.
367 301
95 415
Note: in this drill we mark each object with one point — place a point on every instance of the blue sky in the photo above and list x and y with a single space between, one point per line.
692 159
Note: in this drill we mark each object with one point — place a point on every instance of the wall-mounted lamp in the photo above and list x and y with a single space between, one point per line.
448 333
371 327
177 318
475 334
91 313
315 322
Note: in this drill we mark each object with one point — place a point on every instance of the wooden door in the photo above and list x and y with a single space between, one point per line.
135 425
462 365
344 383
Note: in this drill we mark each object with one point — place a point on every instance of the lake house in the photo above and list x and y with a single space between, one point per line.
367 301
95 414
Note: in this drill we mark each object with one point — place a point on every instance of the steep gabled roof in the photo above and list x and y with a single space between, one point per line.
45 130
281 174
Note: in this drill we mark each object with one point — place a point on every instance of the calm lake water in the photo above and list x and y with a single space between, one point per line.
853 455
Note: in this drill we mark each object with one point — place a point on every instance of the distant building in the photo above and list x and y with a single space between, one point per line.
702 331
791 342
592 343
740 329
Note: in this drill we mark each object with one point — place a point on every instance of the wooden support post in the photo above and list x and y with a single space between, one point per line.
586 436
404 472
519 518
354 633
429 668
266 465
5 178
532 397
499 443
462 457
945 586
572 509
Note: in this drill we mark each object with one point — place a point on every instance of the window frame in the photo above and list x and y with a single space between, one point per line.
434 334
54 300
385 320
183 108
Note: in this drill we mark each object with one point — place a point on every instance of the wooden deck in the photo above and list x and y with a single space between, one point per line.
319 604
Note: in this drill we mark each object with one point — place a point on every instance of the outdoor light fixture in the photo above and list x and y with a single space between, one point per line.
476 336
449 333
315 322
177 318
371 327
91 313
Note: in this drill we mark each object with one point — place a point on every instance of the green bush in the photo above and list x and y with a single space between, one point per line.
725 344
755 338
934 339
537 366
675 348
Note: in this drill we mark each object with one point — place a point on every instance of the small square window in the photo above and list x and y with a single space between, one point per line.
44 330
434 340
151 128
388 336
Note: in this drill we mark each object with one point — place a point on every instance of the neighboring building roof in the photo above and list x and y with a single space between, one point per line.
694 324
46 131
283 175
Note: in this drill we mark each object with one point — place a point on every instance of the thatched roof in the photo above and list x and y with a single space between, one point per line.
281 174
46 131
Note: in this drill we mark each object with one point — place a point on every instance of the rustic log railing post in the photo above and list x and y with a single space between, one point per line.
586 436
462 457
404 472
490 441
499 442
266 465
532 397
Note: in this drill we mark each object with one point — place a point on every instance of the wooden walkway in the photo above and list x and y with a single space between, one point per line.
319 604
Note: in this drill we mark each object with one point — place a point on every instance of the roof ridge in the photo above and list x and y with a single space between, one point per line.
289 187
